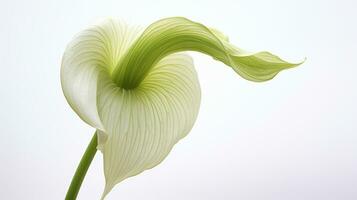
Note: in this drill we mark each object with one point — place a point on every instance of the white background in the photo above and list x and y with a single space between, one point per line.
293 138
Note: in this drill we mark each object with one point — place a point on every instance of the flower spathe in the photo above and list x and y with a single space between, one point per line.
140 91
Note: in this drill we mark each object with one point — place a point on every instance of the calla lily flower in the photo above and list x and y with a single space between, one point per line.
139 90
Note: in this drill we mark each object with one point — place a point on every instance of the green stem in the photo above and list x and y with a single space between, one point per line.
82 169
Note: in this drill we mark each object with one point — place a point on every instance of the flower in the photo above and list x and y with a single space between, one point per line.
140 91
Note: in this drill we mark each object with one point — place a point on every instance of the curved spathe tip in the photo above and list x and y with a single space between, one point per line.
107 189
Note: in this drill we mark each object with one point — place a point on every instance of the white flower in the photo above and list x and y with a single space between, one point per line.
140 93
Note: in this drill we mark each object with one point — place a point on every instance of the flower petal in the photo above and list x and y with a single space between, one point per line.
177 34
144 124
93 51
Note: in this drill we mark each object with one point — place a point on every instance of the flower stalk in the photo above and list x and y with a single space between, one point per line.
82 169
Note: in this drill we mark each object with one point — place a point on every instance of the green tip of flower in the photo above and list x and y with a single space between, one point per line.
176 34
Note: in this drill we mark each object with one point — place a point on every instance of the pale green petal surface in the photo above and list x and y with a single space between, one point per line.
144 124
140 92
95 50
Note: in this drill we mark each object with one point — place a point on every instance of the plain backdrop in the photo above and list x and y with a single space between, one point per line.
292 138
